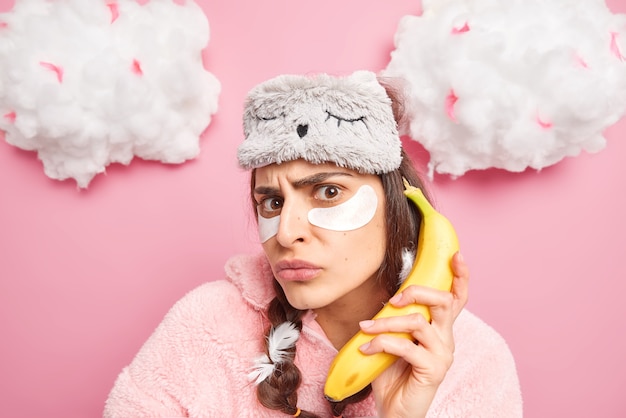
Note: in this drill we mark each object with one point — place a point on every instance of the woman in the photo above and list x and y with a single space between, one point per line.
327 168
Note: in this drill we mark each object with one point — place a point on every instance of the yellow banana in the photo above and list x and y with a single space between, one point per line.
351 370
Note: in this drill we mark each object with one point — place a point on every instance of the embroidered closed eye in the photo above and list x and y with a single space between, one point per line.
267 118
340 119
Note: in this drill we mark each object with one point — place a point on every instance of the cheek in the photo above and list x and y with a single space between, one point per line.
365 245
353 214
359 254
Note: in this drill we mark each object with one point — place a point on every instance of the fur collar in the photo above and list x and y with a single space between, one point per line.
252 275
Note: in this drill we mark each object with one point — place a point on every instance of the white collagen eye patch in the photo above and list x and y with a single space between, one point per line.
268 227
352 214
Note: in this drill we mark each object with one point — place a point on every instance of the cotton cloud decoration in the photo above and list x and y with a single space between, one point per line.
510 84
89 83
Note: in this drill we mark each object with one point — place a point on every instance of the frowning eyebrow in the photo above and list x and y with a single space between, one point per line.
303 182
317 178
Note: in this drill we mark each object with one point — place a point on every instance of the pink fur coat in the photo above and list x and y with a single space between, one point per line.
196 363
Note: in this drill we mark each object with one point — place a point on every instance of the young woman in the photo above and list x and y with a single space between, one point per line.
335 227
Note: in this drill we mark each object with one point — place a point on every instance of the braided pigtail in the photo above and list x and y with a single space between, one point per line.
277 376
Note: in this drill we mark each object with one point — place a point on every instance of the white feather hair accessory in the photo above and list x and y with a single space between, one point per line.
347 120
408 258
281 338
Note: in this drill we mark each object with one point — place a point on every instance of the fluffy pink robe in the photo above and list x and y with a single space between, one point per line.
196 363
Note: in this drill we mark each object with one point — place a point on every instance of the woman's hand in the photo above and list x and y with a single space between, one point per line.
407 388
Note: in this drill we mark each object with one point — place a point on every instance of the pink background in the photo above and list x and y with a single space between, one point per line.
87 275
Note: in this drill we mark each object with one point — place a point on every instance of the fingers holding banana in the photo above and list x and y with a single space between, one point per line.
414 324
410 383
431 336
436 335
408 386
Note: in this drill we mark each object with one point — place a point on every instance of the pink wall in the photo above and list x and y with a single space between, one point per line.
86 276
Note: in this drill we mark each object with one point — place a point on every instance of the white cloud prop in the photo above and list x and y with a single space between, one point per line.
89 83
510 84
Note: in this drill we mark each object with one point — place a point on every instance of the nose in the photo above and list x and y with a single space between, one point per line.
294 227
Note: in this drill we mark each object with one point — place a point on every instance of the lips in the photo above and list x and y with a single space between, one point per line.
295 270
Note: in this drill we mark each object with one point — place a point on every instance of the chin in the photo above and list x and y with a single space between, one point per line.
304 303
300 304
305 295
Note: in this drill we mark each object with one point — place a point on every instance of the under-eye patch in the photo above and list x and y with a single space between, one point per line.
268 227
355 213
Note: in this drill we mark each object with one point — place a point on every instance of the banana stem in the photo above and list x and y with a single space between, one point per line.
417 196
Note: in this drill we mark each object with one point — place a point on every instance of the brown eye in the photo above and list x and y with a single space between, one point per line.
327 193
270 207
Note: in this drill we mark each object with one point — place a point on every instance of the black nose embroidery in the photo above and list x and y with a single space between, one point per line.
302 130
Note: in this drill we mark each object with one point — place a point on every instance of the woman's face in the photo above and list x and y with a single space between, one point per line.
323 230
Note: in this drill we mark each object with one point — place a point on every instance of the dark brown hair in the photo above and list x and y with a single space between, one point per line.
279 391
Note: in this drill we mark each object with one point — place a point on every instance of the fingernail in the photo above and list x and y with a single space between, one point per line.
460 257
366 324
364 347
396 298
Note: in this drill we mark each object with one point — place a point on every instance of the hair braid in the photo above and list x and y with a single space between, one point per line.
279 391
